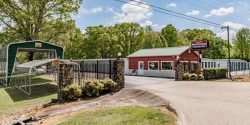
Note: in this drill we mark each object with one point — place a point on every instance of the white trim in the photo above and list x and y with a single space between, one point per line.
194 62
184 61
167 69
154 61
35 41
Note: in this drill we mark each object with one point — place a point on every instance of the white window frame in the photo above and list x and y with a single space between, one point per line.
154 61
167 69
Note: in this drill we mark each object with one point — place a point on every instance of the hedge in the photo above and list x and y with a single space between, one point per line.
214 73
91 88
71 92
192 76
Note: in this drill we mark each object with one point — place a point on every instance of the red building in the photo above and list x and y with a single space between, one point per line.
160 62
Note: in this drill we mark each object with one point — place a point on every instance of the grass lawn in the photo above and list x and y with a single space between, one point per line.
13 100
122 116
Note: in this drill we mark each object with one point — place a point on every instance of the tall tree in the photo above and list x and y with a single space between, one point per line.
74 49
131 37
153 39
102 42
29 19
242 43
170 33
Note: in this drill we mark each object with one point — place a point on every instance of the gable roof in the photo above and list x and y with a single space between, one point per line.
169 51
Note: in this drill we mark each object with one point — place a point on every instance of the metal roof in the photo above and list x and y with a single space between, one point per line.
169 51
29 65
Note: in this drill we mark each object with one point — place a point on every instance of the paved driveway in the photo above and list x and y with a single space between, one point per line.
201 103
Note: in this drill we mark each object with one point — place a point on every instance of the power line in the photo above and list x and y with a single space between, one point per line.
210 7
171 14
247 8
176 14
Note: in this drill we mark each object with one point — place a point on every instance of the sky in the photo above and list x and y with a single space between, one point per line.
233 13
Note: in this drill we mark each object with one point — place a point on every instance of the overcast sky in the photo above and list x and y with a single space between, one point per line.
235 13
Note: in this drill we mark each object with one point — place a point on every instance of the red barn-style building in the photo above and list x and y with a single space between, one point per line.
160 62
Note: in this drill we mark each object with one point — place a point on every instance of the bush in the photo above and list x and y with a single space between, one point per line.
186 76
214 73
200 77
71 92
193 76
92 88
109 85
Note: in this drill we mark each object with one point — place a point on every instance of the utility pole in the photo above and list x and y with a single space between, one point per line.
228 47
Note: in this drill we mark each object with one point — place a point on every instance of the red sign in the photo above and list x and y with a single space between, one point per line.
200 45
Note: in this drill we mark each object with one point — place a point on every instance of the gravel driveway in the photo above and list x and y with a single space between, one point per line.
201 102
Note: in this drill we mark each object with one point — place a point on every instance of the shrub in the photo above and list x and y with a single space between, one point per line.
186 76
214 73
92 88
193 76
109 85
200 77
71 92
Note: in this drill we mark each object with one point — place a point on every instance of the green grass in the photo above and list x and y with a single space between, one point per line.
121 116
13 100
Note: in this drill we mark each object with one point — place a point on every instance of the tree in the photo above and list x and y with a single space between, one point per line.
170 33
153 39
102 42
31 19
74 49
242 44
131 37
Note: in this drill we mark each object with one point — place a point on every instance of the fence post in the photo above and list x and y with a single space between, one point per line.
97 76
110 69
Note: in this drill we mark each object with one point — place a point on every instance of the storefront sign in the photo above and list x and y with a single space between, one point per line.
38 45
200 45
55 62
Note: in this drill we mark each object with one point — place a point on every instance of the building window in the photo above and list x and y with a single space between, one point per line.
208 64
214 65
205 64
166 66
153 65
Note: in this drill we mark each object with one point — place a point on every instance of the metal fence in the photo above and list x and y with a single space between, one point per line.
240 68
96 69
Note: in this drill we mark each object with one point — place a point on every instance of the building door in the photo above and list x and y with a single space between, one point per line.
140 68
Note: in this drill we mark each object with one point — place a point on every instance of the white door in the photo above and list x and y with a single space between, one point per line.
140 70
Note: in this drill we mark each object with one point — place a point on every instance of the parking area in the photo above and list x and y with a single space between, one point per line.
201 102
135 81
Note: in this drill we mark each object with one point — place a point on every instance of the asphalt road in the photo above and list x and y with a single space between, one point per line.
201 102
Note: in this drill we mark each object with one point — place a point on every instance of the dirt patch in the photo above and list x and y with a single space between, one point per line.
242 79
126 97
237 79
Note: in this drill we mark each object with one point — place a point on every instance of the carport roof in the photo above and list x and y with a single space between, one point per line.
169 51
35 63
